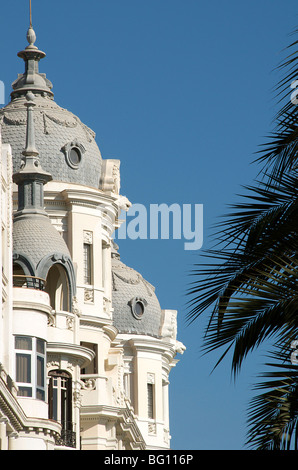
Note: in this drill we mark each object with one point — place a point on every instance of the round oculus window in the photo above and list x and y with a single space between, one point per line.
139 309
74 157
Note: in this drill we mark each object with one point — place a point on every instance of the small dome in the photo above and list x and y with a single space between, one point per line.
36 239
67 148
136 308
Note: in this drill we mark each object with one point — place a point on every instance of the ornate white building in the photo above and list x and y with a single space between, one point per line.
85 348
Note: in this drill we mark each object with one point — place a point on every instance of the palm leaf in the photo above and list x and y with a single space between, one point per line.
273 414
249 281
252 237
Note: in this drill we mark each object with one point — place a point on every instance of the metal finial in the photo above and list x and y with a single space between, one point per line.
30 11
31 36
31 79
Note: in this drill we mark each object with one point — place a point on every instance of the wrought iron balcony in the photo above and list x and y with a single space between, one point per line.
67 437
29 282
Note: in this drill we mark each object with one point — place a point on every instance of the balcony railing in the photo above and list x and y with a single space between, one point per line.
29 282
67 437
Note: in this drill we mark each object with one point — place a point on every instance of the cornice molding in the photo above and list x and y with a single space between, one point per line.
77 353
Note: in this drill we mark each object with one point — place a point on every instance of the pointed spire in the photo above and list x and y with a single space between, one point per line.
30 14
31 80
30 149
31 36
31 177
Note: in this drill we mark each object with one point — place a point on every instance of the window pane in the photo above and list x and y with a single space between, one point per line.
55 405
75 156
91 368
150 401
25 392
87 263
40 346
40 371
23 342
23 368
40 394
64 417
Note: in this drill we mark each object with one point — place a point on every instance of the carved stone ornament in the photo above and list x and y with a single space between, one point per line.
151 428
123 203
77 398
51 320
169 324
88 237
89 384
107 306
70 322
150 378
180 348
88 295
75 307
110 178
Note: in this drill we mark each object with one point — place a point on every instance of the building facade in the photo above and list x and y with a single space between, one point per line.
85 348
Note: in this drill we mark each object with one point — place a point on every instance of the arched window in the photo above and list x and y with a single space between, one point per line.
19 278
24 279
57 286
60 404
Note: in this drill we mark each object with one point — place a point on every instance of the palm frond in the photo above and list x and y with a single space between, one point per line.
273 413
279 155
249 279
249 243
264 308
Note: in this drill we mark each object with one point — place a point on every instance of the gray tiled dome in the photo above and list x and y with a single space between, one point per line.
36 238
55 128
128 287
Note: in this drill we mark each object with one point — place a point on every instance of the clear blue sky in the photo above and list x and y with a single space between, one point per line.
181 91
